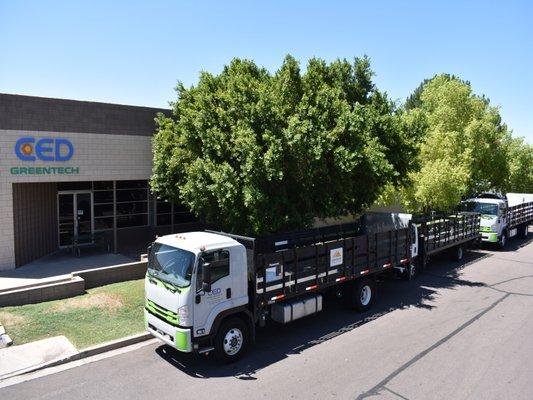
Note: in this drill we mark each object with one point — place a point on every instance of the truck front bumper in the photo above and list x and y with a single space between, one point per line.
490 237
177 337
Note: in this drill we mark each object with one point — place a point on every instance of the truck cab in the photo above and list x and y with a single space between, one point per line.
493 217
192 280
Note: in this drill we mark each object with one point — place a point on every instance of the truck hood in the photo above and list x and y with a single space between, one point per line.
165 298
488 220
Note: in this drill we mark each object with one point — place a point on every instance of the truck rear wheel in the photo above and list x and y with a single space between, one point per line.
459 253
231 341
361 294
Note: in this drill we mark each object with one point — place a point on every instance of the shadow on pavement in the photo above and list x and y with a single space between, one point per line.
276 341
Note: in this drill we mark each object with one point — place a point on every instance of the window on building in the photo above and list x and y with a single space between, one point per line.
132 203
103 205
165 211
64 186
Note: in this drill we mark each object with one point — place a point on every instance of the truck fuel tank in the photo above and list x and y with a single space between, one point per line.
294 309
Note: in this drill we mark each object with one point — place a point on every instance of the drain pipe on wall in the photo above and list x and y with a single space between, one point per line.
115 247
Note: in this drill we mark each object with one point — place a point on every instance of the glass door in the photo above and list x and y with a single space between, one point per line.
65 203
84 220
75 217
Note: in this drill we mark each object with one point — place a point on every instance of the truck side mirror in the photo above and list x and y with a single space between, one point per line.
206 282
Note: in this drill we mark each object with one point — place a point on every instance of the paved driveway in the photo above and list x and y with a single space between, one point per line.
460 331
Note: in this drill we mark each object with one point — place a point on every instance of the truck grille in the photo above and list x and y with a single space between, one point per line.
162 313
485 229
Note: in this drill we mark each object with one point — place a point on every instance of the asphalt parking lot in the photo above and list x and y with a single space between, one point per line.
463 330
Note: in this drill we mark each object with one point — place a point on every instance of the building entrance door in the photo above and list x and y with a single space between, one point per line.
75 217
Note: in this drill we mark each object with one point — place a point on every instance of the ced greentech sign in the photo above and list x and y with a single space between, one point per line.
47 149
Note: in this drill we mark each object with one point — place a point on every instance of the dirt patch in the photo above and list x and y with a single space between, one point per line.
100 300
11 319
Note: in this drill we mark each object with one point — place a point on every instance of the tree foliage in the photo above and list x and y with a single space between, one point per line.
520 156
256 152
464 147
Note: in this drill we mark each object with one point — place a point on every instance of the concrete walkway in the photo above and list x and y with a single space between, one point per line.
58 266
18 358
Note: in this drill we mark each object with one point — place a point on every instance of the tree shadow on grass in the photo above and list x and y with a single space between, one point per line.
276 341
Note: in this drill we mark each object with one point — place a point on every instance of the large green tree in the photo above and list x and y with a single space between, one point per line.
520 156
463 148
256 152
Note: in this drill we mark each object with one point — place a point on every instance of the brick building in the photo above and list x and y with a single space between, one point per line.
77 171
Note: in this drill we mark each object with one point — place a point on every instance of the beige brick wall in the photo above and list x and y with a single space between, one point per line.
98 156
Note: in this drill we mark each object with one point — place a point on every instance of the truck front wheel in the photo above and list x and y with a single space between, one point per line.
410 272
231 341
503 240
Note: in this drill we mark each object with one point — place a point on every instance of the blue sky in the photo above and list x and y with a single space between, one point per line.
134 52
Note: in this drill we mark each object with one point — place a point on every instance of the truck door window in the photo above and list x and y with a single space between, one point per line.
219 261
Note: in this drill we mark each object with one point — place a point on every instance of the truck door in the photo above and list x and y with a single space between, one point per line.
503 218
414 240
225 292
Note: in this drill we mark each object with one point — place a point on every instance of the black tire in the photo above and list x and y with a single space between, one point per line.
410 272
361 294
422 263
237 331
503 241
458 253
524 231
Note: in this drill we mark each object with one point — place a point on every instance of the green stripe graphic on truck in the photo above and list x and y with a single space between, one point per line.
182 339
164 314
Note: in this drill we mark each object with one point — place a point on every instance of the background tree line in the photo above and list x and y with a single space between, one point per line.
258 152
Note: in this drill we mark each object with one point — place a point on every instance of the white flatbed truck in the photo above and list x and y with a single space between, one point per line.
502 217
207 291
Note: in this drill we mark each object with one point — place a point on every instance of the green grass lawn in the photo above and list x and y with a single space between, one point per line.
102 314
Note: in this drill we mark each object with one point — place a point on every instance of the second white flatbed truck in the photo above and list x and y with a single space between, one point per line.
502 217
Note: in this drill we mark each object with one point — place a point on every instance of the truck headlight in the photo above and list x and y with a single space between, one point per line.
494 227
183 314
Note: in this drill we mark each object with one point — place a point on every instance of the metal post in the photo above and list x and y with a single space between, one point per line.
172 217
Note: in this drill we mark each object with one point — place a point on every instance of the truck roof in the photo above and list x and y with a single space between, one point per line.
486 200
197 241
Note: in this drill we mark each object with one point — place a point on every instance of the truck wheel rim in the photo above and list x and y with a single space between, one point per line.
503 240
460 253
366 295
233 341
412 271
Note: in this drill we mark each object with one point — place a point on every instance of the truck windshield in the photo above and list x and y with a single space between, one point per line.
171 264
482 208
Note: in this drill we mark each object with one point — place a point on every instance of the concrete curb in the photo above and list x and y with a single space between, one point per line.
88 352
